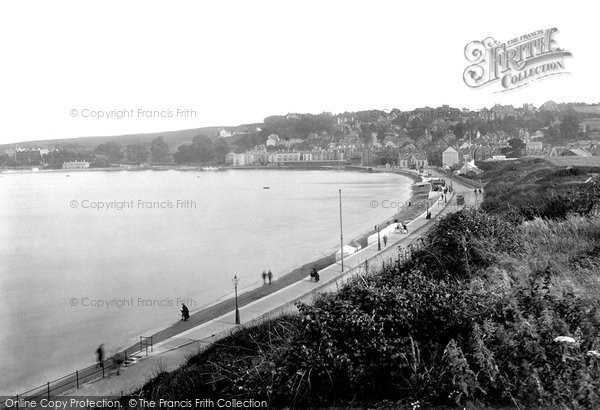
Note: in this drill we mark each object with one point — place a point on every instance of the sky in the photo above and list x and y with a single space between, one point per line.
65 63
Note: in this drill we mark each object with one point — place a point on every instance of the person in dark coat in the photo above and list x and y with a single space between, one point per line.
314 274
100 355
264 276
118 360
185 312
270 276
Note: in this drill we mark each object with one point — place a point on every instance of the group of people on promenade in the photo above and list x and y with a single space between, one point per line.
266 275
116 362
400 228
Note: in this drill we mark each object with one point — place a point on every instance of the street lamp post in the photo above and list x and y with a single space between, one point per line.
235 281
378 238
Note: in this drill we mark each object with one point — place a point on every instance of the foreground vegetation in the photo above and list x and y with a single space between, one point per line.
499 308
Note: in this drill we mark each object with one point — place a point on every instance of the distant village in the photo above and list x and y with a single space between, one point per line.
445 137
452 138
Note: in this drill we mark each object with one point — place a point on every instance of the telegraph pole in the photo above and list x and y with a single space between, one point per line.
236 281
341 233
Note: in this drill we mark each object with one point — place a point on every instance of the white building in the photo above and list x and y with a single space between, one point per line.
285 157
273 140
534 145
225 134
449 157
75 165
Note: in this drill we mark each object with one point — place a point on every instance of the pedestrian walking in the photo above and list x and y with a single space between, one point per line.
264 276
185 312
100 356
118 361
270 276
385 240
314 274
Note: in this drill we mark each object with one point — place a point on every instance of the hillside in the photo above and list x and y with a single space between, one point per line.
172 138
495 309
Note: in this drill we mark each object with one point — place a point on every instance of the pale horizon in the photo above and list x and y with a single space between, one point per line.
236 62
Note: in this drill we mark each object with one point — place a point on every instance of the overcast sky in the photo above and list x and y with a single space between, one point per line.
235 62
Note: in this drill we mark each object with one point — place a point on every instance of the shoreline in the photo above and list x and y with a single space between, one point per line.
226 303
188 168
404 213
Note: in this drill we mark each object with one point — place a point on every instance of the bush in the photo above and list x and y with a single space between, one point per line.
465 241
488 314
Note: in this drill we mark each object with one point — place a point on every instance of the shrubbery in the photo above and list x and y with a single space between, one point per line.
401 336
466 241
533 189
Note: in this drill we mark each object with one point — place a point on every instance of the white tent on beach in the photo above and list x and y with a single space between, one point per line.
348 250
469 168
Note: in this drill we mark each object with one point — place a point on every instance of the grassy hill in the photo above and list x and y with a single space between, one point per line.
172 138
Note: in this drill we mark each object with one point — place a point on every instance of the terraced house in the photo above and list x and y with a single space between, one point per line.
412 160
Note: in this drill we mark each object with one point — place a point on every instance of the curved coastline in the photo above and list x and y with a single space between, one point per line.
226 302
250 294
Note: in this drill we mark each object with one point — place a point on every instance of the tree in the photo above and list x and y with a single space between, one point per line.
221 150
8 161
434 156
517 145
111 150
569 127
515 148
136 154
159 150
416 128
459 130
201 150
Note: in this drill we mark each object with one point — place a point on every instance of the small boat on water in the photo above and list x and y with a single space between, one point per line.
266 187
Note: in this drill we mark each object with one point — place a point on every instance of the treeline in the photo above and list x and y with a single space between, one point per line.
298 125
113 152
491 311
202 150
